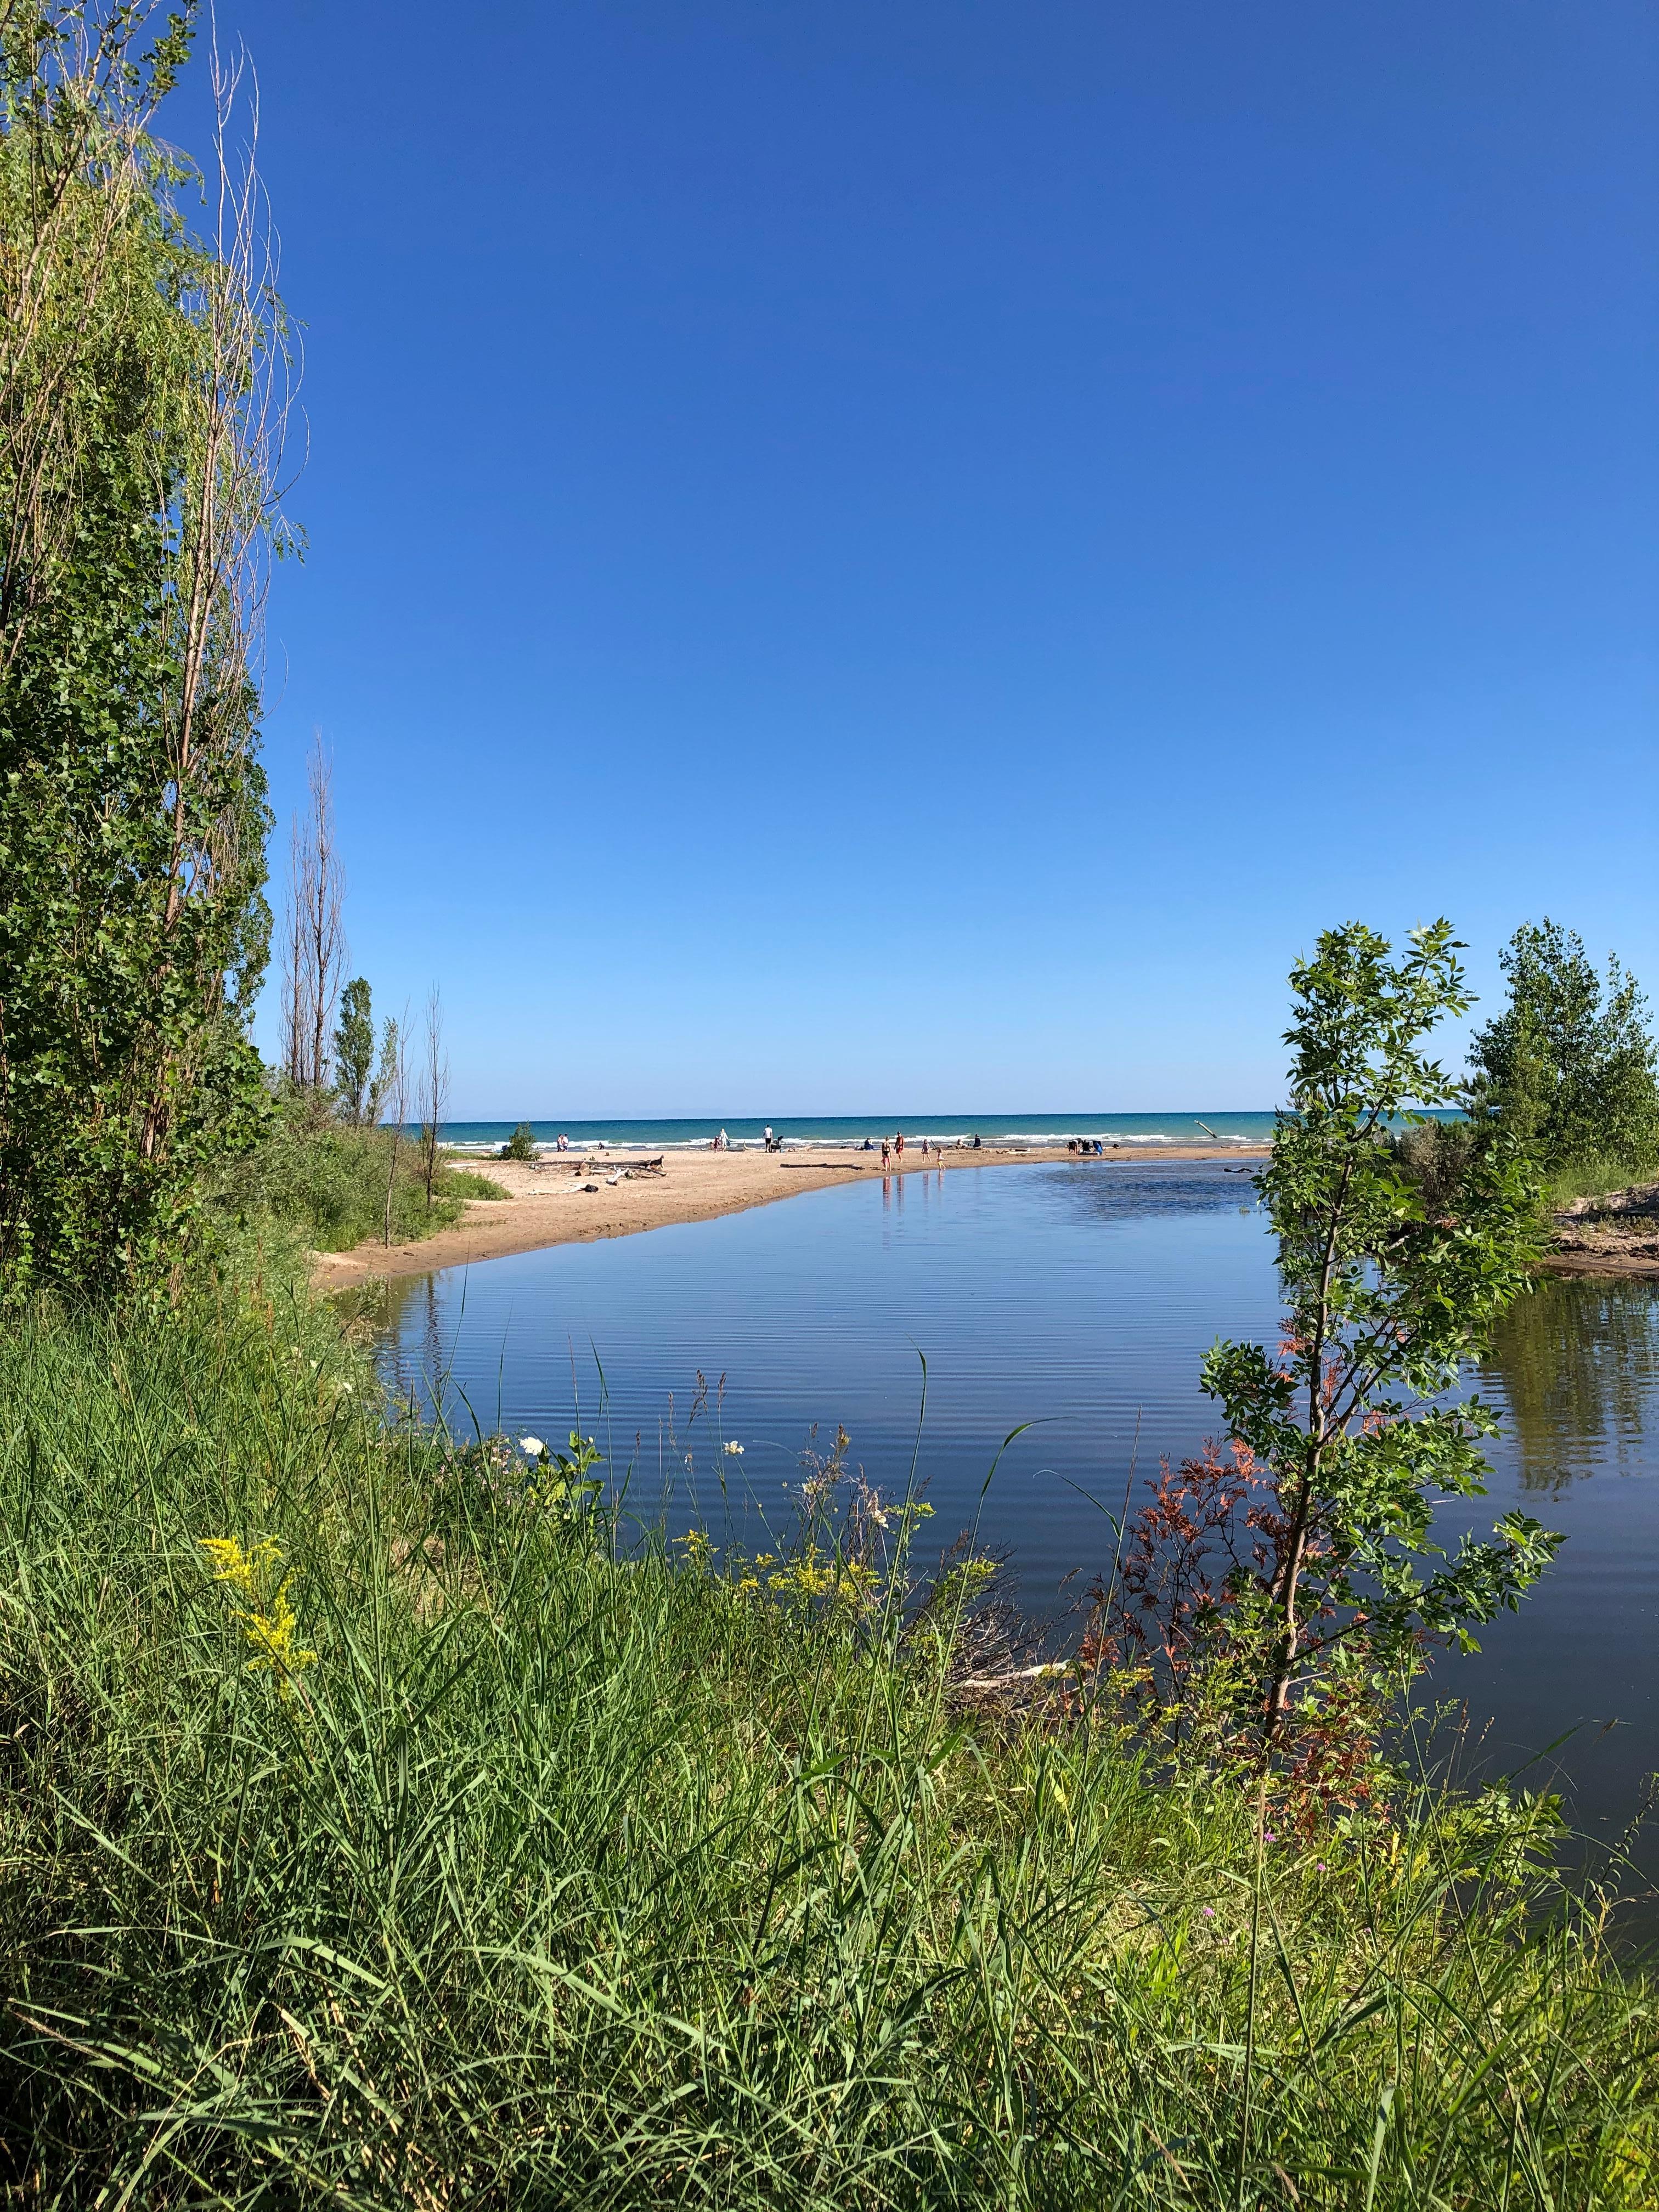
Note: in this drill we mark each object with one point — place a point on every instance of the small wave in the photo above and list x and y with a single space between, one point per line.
1087 1136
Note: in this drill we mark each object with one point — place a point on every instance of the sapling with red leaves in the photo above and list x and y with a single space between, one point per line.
1355 1419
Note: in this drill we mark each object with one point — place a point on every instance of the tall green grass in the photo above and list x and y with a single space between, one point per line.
558 1877
329 1180
1592 1178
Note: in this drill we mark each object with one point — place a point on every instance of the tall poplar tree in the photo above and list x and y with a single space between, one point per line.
142 388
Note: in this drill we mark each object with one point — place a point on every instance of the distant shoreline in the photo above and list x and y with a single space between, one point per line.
691 1133
550 1203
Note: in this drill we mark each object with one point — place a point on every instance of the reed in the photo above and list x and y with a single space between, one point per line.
524 1865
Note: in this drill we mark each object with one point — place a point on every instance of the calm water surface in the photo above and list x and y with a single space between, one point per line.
1080 1299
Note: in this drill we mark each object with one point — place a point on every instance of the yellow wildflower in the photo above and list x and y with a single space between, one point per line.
268 1618
244 1570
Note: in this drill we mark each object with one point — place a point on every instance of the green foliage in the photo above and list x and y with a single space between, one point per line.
1434 1155
563 1482
465 1183
520 1146
328 1180
1388 1296
1568 1068
133 926
1588 1177
354 1049
386 1089
419 1851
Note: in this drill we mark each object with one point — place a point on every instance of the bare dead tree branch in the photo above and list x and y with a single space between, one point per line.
314 949
392 1079
435 1088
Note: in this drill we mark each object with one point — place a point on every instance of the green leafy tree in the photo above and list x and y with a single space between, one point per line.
388 1076
520 1146
135 446
1349 1419
354 1049
1568 1067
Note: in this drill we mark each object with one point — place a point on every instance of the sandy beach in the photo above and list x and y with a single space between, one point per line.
570 1200
1616 1233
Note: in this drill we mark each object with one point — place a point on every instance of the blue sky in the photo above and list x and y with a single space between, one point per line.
885 557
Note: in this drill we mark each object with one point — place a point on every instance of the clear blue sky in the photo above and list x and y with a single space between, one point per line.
903 557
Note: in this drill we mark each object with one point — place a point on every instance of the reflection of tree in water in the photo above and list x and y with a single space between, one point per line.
1577 1361
404 1318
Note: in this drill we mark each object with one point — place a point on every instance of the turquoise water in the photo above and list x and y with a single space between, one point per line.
1079 1298
853 1128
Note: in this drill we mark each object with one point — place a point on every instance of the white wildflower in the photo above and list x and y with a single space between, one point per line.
531 1445
734 1450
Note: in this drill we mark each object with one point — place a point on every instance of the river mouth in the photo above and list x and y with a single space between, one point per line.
932 1316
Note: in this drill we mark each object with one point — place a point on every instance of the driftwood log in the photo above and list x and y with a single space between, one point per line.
575 1163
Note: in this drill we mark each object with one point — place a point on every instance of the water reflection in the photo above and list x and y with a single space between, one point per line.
1080 1300
1576 1364
1094 1191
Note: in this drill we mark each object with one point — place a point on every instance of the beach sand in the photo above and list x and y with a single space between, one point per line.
1616 1233
549 1204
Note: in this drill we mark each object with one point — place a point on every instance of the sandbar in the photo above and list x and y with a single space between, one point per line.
550 1202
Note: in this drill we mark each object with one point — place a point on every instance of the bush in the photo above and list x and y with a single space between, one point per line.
465 1182
328 1180
520 1146
1435 1157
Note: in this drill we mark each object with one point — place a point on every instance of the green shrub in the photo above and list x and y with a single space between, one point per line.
520 1146
328 1179
1434 1156
464 1183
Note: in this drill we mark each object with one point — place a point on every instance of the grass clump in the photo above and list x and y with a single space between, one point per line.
467 1182
376 1831
1593 1178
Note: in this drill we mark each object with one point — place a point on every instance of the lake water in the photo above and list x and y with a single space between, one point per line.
1080 1299
1255 1127
1150 1130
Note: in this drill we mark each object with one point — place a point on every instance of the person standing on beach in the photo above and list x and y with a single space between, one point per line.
898 1144
886 1154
